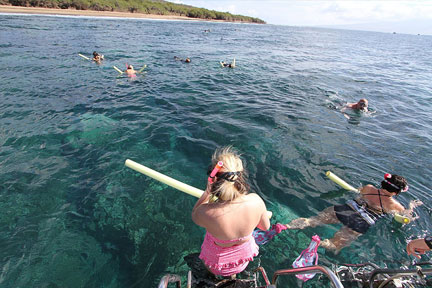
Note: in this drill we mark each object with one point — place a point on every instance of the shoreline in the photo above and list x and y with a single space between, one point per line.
92 13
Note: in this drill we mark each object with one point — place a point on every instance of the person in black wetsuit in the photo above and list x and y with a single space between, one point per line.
359 214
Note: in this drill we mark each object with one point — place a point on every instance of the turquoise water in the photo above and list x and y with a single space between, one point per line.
71 214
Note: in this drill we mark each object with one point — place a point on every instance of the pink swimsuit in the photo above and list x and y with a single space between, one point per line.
227 261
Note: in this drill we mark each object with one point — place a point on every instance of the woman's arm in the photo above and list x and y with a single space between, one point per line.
196 212
413 204
264 222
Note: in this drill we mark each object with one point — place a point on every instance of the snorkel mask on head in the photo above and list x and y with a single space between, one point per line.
363 105
399 189
228 176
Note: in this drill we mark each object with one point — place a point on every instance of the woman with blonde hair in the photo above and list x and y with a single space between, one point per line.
229 214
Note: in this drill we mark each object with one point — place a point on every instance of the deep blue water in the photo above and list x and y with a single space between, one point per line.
71 214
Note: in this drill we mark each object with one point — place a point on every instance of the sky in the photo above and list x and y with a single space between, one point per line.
410 17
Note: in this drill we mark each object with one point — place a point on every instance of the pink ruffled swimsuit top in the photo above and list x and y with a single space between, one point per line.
227 261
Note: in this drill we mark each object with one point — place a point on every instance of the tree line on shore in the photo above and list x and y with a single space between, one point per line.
158 7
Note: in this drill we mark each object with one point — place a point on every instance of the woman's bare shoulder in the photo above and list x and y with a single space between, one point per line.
368 189
255 199
254 196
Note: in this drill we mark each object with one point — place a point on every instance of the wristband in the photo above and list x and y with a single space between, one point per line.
428 241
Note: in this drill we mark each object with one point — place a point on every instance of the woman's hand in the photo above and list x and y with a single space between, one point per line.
415 203
417 247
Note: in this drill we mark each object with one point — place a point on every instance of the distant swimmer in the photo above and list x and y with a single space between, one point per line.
97 57
361 105
130 71
207 30
187 60
358 215
230 65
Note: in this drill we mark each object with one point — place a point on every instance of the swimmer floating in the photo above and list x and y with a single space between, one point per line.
358 215
398 218
96 57
230 65
130 71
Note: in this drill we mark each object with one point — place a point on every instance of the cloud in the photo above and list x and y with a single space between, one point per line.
324 12
349 12
252 13
229 8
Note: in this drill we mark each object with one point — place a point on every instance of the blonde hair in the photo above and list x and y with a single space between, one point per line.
231 179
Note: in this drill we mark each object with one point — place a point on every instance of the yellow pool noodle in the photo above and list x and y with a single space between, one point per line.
402 219
164 179
118 70
340 182
85 57
142 69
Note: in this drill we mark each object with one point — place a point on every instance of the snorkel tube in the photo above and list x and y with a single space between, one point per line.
397 217
214 172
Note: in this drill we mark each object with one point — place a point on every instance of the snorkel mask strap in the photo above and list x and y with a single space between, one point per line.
388 176
230 176
215 170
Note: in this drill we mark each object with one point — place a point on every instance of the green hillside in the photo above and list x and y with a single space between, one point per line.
157 7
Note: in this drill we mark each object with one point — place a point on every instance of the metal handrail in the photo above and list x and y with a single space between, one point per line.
170 278
399 272
311 269
264 274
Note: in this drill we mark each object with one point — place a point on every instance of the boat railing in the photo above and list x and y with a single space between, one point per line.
398 273
170 278
307 270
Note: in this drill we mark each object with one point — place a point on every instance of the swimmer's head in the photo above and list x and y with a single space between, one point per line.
394 183
363 104
130 67
187 60
95 54
231 179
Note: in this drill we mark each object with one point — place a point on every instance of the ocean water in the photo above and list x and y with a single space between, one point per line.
71 213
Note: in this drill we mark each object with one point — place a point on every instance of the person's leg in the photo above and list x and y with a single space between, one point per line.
341 239
327 216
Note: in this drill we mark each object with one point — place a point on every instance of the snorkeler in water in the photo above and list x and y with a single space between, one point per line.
229 65
130 71
361 105
97 57
187 60
358 215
